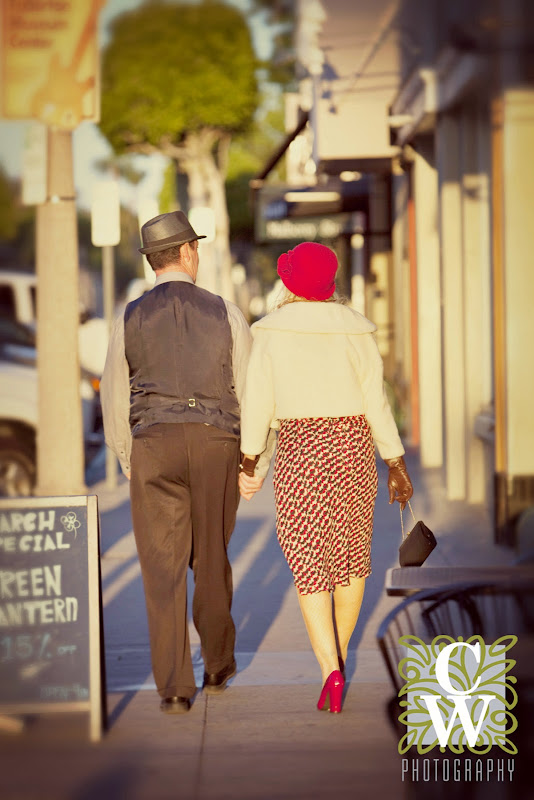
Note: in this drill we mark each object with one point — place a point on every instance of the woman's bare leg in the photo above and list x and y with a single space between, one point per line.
347 604
317 612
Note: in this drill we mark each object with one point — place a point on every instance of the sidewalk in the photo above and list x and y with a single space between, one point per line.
263 738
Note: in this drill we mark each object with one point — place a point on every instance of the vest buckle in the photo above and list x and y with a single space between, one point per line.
192 402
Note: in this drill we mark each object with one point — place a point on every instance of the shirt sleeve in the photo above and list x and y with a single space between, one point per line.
376 403
258 408
242 343
115 397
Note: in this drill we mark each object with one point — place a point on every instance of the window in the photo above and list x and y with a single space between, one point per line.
7 302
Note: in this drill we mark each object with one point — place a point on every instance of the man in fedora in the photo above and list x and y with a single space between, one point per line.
171 387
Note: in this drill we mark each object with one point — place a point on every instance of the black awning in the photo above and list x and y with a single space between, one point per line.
258 179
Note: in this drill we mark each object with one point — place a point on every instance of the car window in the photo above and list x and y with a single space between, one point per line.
12 332
7 302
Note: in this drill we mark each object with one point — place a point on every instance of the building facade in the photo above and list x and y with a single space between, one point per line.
429 106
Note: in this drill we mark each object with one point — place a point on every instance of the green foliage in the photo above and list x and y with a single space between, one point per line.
280 16
172 69
248 154
168 193
121 167
8 209
17 226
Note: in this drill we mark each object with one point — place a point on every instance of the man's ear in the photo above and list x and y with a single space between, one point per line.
185 253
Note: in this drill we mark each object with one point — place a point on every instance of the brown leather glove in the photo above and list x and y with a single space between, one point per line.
248 465
398 481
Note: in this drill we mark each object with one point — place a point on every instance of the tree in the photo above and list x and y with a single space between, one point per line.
180 79
248 155
8 210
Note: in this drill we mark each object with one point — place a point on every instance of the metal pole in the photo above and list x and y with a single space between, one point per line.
60 447
108 281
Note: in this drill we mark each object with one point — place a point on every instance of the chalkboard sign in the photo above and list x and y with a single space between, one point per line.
50 607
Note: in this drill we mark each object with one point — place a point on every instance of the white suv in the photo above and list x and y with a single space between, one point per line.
19 410
18 296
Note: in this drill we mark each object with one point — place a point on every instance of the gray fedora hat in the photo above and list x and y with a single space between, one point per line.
166 230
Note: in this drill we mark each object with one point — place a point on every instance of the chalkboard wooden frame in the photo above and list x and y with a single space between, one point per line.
95 705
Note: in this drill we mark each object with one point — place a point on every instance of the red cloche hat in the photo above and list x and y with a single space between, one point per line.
309 270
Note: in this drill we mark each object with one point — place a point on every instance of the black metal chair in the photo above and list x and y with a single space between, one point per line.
489 610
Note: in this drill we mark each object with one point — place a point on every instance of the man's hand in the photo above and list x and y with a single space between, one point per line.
248 486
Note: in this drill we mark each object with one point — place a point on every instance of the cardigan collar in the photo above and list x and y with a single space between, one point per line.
316 317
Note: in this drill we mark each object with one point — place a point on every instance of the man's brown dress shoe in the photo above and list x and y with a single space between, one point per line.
215 682
175 705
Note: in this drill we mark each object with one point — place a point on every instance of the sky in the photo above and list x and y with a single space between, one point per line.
88 143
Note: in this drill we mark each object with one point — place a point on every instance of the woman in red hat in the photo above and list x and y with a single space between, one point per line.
315 375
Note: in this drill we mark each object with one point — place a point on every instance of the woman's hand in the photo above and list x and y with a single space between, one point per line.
399 483
248 486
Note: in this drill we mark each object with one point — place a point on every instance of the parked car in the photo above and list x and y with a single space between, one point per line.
18 296
19 409
18 303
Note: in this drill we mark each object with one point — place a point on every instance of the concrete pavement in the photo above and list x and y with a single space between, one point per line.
263 738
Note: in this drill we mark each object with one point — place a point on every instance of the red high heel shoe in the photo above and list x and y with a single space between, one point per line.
333 688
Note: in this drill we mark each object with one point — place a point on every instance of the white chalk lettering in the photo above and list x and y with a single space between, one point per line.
14 613
8 544
60 544
36 579
7 578
29 521
14 583
39 612
17 522
71 609
65 692
59 609
40 542
53 580
47 522
21 580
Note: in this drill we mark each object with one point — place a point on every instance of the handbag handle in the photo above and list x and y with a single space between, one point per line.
402 523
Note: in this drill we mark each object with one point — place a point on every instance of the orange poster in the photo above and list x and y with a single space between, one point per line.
50 61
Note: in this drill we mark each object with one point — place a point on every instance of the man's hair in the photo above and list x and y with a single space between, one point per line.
162 259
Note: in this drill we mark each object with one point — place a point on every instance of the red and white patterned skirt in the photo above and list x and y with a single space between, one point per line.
325 485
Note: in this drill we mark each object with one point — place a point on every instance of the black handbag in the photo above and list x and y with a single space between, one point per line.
417 544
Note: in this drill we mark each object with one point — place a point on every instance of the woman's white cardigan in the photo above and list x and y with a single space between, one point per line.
314 359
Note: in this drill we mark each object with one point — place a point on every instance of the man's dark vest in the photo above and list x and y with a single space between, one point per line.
178 345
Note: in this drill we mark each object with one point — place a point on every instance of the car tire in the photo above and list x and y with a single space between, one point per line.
17 469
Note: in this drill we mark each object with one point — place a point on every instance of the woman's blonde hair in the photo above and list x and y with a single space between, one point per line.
283 297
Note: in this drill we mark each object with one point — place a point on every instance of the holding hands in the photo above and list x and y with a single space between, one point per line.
248 483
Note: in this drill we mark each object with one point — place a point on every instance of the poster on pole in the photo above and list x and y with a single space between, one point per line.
50 61
51 644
